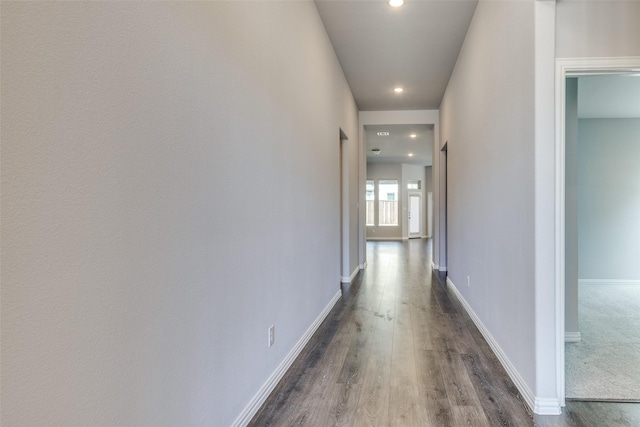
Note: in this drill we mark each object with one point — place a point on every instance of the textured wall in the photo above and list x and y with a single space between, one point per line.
170 176
597 28
487 119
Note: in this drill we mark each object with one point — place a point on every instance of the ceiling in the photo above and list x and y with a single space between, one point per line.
381 47
612 96
395 147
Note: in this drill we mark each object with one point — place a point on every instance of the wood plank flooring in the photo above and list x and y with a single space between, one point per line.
399 350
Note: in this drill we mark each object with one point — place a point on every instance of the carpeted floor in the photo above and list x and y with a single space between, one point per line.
605 364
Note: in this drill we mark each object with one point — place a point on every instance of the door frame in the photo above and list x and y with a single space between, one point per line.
345 274
569 67
414 193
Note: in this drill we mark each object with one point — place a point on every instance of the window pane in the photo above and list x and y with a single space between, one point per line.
413 185
371 196
388 202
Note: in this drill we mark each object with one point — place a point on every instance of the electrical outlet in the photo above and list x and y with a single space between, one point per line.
272 335
468 282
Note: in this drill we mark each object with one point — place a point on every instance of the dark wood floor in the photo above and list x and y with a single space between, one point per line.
399 350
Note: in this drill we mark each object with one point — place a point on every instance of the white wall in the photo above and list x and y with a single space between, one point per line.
487 118
604 28
142 260
609 199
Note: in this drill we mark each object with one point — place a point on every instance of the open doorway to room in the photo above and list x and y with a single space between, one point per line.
602 235
398 181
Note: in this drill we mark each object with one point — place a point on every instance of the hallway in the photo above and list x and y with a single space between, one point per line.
398 350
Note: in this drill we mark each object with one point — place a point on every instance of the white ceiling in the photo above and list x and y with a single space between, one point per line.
609 97
398 144
380 47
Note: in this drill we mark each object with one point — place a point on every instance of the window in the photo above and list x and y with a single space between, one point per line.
370 200
413 185
387 202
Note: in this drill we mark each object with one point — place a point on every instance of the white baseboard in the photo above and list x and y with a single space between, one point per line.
546 406
607 282
259 398
572 337
345 279
363 266
542 406
438 267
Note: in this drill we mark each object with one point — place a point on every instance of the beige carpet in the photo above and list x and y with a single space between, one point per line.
605 364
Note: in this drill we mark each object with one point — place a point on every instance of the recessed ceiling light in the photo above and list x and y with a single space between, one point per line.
413 135
410 154
383 133
376 151
396 3
398 90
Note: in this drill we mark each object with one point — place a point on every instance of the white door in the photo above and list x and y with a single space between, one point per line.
414 215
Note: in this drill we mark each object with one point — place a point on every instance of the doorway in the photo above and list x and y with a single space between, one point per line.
429 118
602 232
573 68
415 215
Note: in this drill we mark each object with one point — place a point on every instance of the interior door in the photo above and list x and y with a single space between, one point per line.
415 201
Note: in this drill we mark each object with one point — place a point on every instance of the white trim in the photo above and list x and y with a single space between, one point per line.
560 111
385 239
565 67
259 398
363 266
545 301
538 405
607 282
546 406
345 279
435 266
572 337
415 193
